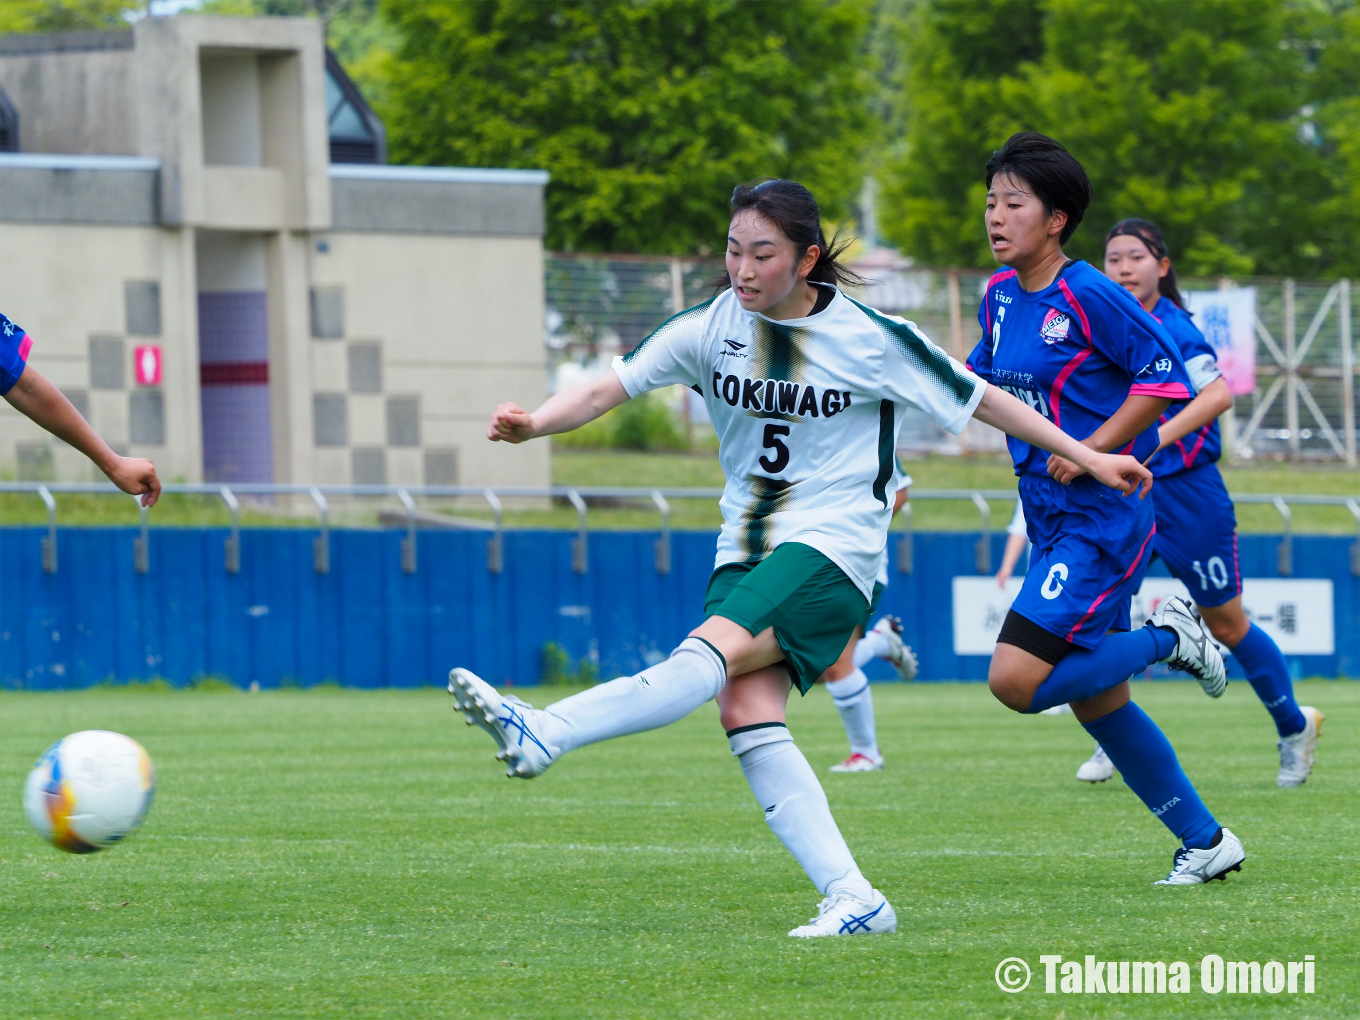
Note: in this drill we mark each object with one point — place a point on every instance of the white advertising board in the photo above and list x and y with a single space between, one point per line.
1297 613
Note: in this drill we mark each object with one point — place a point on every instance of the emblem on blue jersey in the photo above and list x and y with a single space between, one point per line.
1056 326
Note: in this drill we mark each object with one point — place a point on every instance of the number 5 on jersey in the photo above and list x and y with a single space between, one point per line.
773 441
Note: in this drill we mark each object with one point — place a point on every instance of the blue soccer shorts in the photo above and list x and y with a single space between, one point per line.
1091 549
1197 534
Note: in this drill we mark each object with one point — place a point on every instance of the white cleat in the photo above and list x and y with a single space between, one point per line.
1195 650
1297 749
1097 768
859 763
513 724
1195 867
899 652
849 915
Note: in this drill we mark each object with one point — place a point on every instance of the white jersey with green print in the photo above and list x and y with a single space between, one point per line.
807 413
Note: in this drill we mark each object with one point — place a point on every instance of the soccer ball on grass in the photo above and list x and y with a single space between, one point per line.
89 790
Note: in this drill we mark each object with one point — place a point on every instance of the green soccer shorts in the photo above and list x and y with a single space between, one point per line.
812 606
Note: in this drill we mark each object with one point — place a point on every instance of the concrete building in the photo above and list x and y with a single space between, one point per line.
211 277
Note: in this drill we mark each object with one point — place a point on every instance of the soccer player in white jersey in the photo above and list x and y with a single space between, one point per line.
806 389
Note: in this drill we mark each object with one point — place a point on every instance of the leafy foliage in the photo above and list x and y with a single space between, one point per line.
646 114
1189 114
64 15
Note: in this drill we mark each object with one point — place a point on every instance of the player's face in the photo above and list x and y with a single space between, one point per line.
1019 228
763 264
1129 263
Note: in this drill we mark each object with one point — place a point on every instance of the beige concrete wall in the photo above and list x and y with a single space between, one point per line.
64 285
73 102
460 321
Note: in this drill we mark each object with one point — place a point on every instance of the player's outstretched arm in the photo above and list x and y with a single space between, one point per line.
998 408
36 398
562 412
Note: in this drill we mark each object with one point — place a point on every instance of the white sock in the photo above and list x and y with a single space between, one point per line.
658 696
796 808
855 702
870 647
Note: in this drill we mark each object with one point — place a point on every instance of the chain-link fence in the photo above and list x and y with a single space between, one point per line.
1302 407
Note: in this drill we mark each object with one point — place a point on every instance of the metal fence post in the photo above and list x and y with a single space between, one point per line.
49 543
321 545
495 549
905 550
984 542
408 544
1284 556
233 542
580 557
1347 371
1354 508
141 545
663 544
1291 376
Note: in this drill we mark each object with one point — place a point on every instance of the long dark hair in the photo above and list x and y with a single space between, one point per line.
1058 179
1147 232
791 207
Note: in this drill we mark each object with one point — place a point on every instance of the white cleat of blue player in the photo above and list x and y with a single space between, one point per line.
844 914
1195 651
1195 867
1297 749
513 724
1097 768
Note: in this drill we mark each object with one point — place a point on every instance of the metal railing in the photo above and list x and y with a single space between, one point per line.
578 497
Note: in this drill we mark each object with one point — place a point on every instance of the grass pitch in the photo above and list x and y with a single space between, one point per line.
357 854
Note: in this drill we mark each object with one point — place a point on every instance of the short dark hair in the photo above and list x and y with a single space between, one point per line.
1151 236
1058 180
791 207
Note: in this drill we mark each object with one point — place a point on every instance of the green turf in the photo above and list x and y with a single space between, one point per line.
348 854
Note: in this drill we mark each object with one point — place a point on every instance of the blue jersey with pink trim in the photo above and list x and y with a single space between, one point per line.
14 347
1074 351
1204 445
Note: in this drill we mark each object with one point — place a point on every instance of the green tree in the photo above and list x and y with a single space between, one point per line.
1333 125
1187 113
65 15
645 112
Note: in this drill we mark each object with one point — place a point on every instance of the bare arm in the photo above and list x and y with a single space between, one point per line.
1015 545
36 398
1000 409
1208 404
561 412
1135 414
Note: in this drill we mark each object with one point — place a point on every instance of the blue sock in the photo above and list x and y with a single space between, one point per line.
1268 675
1085 673
1146 760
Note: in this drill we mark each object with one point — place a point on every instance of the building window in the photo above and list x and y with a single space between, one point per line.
365 368
370 465
9 124
107 368
356 133
441 466
142 305
328 313
403 421
146 417
330 416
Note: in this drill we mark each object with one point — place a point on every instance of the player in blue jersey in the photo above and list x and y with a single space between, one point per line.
1196 526
1080 350
29 393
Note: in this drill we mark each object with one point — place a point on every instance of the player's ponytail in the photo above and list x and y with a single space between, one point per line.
1147 232
791 208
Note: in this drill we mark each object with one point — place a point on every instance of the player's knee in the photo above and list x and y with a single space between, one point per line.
1229 632
1014 695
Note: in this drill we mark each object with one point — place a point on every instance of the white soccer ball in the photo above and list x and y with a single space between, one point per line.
89 790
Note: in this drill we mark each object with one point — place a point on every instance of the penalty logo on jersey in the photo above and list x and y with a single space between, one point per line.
1056 326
